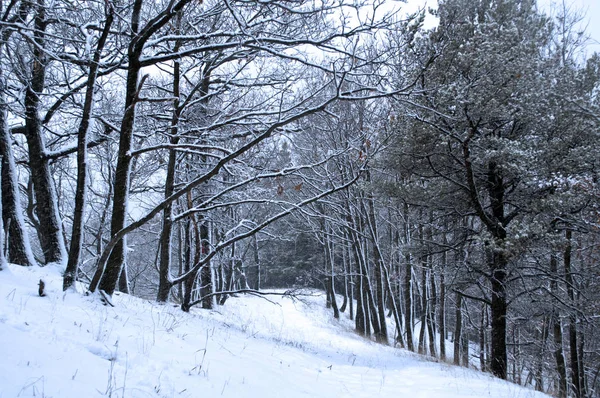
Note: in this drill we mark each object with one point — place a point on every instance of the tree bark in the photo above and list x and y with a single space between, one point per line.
50 227
16 237
499 309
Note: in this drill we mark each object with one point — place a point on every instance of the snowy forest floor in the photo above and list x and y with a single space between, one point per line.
69 345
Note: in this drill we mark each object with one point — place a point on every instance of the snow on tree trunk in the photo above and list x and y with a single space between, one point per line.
50 226
19 250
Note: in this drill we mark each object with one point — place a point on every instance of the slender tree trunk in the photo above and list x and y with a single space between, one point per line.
188 283
331 278
362 309
431 313
424 307
50 227
539 372
442 313
457 329
164 281
371 303
256 261
110 275
206 273
581 352
482 328
382 335
72 269
407 288
351 278
431 294
559 356
2 256
573 338
346 275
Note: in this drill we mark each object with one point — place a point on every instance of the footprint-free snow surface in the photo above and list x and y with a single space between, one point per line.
70 345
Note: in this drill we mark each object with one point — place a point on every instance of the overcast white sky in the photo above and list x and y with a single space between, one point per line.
590 7
592 20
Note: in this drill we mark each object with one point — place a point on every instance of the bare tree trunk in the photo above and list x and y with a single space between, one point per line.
330 281
362 308
206 274
164 282
124 279
499 309
407 288
346 276
381 336
442 313
50 227
348 268
431 313
539 372
256 261
482 339
559 356
72 269
457 329
17 247
573 338
424 306
109 276
188 284
16 241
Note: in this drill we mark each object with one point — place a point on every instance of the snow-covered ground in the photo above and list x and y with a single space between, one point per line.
70 345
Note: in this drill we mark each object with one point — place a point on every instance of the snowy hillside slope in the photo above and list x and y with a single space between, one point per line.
64 346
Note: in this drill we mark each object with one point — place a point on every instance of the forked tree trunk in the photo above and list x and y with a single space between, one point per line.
50 227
